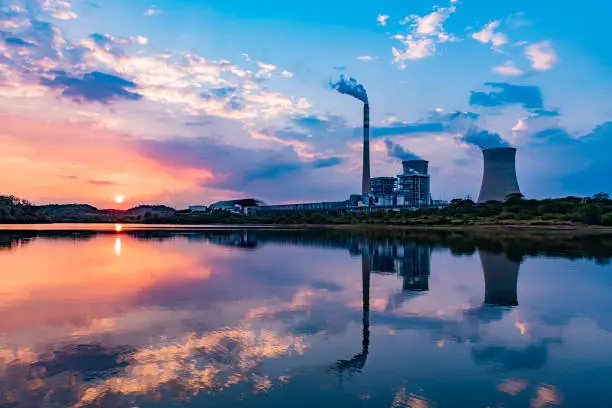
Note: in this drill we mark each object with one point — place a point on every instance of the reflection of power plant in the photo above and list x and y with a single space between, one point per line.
409 261
501 279
237 239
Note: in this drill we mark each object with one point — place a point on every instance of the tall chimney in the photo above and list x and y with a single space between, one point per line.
499 176
365 182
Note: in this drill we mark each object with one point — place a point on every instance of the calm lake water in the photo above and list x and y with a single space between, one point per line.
134 317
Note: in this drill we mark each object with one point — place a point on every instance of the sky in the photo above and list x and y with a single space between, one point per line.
189 102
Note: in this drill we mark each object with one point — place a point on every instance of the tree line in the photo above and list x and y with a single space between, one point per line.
515 210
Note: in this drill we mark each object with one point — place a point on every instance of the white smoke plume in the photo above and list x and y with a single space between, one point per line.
484 139
350 87
396 151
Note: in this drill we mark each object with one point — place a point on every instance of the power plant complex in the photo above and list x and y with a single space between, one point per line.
409 190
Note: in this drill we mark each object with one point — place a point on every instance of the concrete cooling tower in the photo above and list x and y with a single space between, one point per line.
420 166
501 279
499 176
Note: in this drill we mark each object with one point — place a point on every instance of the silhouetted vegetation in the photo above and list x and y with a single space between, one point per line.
515 211
14 210
516 245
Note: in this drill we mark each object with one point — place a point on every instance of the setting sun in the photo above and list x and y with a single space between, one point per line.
119 198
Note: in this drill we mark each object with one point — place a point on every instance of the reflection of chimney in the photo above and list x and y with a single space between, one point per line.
365 182
501 279
365 289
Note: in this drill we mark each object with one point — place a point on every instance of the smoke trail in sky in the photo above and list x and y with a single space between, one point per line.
484 139
350 87
398 152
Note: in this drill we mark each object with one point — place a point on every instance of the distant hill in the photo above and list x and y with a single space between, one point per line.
71 212
152 209
89 213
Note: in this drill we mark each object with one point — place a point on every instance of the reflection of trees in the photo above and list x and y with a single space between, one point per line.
14 239
514 245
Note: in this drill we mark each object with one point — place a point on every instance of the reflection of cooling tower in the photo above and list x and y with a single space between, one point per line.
365 182
499 176
420 166
501 278
415 268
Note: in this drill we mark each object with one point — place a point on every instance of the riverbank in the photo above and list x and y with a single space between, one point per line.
565 229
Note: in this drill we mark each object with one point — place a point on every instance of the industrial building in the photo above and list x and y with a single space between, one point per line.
411 188
499 175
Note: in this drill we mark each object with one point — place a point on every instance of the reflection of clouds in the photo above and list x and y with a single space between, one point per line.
89 375
546 395
196 363
53 277
186 311
311 311
512 386
404 400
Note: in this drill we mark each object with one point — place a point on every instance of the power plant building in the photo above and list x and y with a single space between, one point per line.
414 184
383 189
499 175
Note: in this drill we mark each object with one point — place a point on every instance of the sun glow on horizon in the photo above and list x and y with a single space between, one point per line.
119 198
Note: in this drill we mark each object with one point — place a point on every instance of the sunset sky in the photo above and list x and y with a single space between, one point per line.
188 102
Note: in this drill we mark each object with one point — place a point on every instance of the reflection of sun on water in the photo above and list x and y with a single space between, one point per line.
520 325
118 246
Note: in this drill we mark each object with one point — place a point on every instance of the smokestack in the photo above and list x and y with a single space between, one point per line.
499 176
501 279
365 182
420 166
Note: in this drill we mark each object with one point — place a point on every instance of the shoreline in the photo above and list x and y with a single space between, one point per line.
475 228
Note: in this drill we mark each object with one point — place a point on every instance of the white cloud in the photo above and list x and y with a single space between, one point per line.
431 23
488 35
424 34
265 70
153 11
532 124
286 74
367 58
508 69
59 9
141 40
382 19
542 55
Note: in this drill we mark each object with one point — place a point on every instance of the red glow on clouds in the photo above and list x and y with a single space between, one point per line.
63 162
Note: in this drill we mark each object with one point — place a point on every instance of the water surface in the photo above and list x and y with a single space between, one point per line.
142 317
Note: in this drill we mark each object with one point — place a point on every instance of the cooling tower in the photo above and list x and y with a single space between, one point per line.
365 182
499 176
420 166
501 279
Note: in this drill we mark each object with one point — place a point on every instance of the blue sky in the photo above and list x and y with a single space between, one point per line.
248 83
